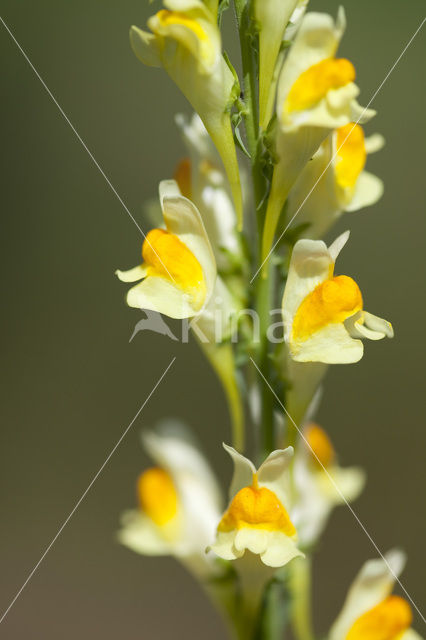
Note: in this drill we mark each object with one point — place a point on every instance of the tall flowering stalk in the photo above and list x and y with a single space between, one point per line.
283 143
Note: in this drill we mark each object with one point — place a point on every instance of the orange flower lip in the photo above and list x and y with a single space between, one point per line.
258 508
313 84
386 621
332 301
168 257
157 495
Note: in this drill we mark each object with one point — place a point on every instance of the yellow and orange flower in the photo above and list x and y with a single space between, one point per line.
323 314
178 273
179 501
257 520
321 483
370 612
335 181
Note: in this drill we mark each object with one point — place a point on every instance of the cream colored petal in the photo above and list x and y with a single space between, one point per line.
378 324
254 540
317 39
410 634
358 330
184 5
224 546
203 49
274 474
169 189
374 143
341 485
333 111
141 535
201 514
161 295
132 275
145 47
371 586
275 466
280 550
330 345
243 471
171 447
360 114
312 508
335 248
183 219
368 190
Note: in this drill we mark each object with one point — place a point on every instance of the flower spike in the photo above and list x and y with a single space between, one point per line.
256 519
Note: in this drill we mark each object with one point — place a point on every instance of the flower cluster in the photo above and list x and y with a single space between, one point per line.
217 258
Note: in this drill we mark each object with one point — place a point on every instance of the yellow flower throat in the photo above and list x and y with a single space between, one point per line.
331 302
258 508
351 154
166 256
173 18
157 495
387 621
313 84
319 445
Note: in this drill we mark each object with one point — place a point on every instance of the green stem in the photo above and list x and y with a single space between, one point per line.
250 113
300 586
249 76
263 285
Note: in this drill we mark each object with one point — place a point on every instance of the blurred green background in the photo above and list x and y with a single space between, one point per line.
72 382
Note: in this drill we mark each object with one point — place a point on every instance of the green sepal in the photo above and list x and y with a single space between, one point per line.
236 89
236 120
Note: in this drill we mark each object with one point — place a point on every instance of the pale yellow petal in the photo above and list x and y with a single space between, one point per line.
368 190
161 295
145 47
132 275
243 471
331 345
